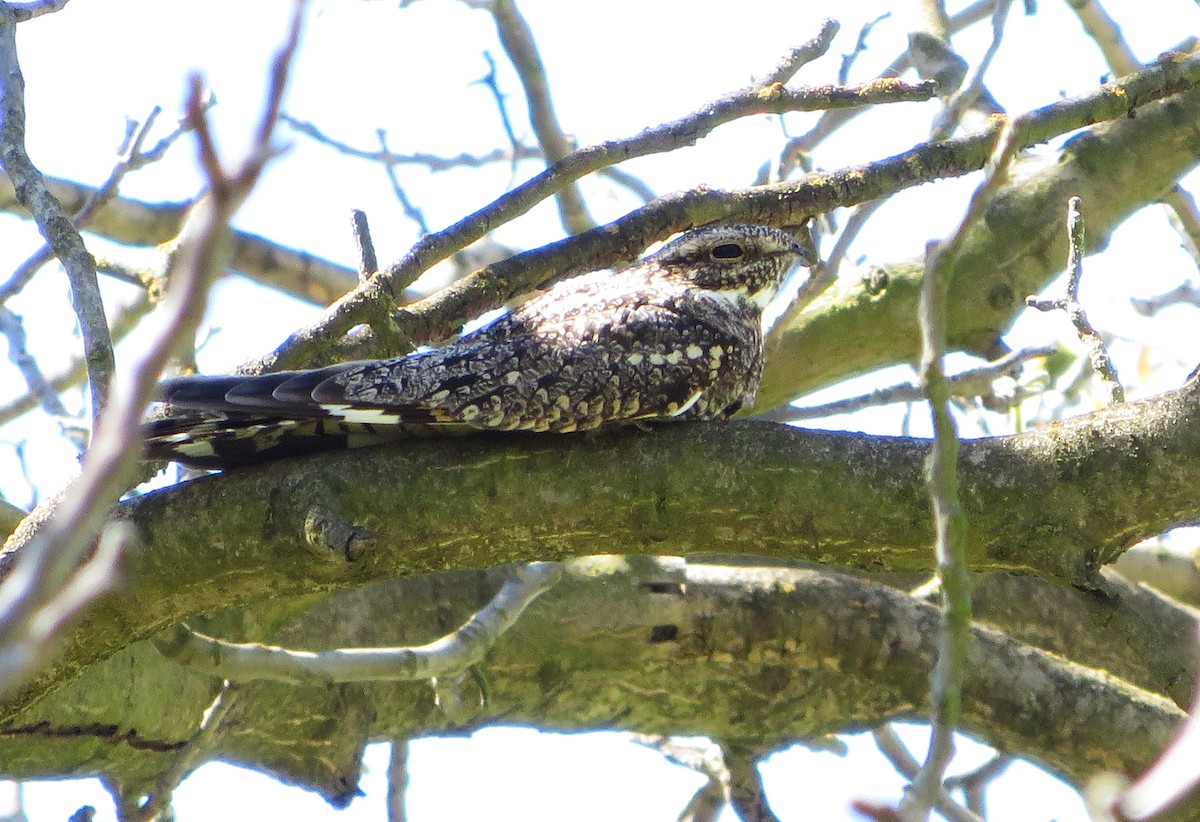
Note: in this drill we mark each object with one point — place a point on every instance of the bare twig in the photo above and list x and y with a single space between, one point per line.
397 783
39 387
368 264
25 272
519 45
52 222
974 784
801 55
628 182
135 222
75 373
950 523
54 577
1185 219
453 653
1107 36
704 757
436 163
192 753
1120 58
831 121
492 83
894 750
410 210
28 11
132 158
747 794
973 94
971 383
860 46
1097 352
433 162
825 274
1182 294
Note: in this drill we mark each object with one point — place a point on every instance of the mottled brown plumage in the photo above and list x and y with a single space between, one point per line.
676 335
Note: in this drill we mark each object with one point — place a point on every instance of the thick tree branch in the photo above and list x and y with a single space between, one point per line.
1058 501
753 656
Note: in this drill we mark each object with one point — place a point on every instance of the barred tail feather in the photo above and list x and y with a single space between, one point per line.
227 442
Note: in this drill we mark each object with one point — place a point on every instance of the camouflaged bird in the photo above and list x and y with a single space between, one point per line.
677 335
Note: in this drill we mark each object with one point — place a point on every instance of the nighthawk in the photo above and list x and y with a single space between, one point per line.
676 335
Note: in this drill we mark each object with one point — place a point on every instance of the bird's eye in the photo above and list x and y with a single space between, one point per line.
727 251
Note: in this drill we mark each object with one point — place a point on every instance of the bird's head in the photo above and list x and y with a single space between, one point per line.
734 261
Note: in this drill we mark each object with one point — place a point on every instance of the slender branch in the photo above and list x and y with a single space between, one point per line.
28 11
974 784
368 263
973 93
453 653
629 182
492 84
800 56
306 343
1182 294
134 222
1105 32
950 522
433 162
1119 55
94 200
1185 219
831 121
1097 352
747 795
40 389
192 754
397 782
41 592
123 323
971 383
54 225
855 223
860 47
518 42
894 750
706 758
410 210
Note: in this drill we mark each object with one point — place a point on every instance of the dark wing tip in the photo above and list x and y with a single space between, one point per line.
201 393
281 391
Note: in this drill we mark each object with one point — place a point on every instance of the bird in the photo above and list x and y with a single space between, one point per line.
675 336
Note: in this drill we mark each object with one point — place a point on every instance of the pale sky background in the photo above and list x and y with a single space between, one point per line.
615 68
